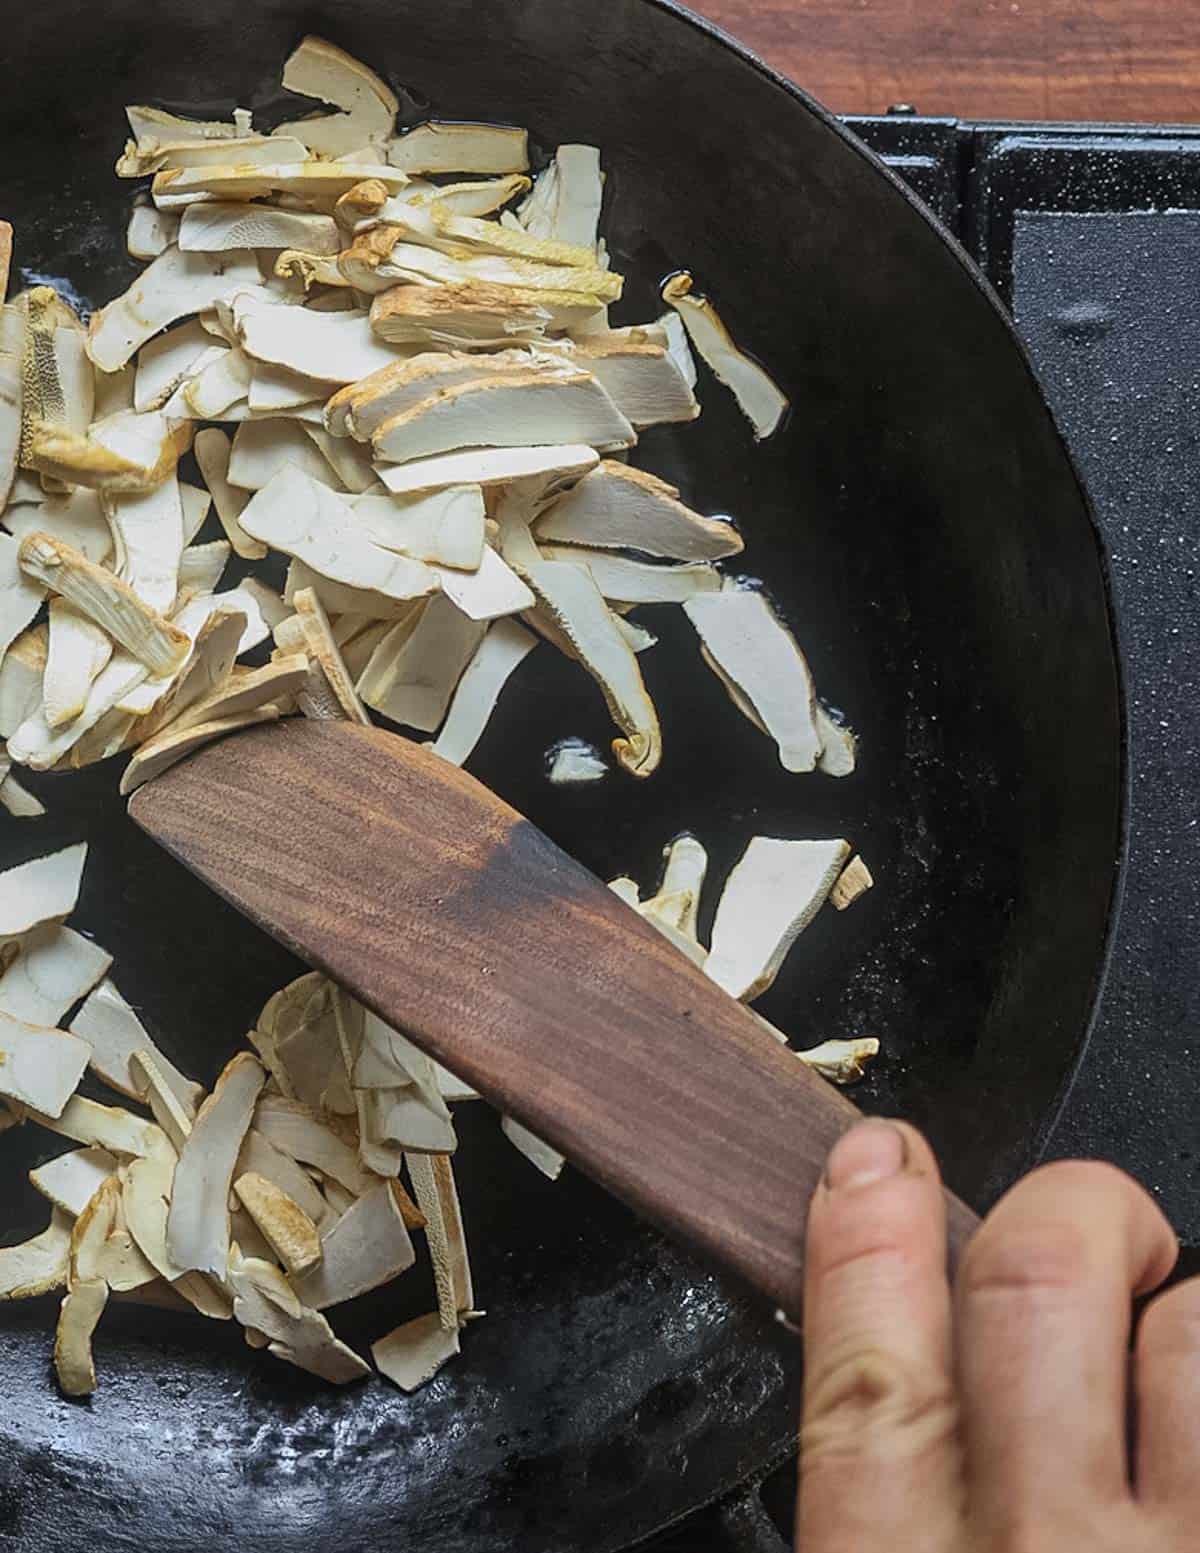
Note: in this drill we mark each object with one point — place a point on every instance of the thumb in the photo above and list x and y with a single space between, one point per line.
879 1455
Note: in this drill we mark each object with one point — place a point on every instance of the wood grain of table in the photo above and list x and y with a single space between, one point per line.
1120 60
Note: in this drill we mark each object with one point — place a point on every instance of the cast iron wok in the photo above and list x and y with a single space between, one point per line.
919 522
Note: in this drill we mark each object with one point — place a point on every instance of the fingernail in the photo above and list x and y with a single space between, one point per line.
870 1151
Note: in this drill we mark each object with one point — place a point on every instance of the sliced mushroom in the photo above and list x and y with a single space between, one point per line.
198 1222
150 231
854 880
74 1178
413 1353
19 801
841 1062
41 892
265 1160
473 315
437 1198
453 233
321 70
685 866
164 362
39 1067
215 646
76 517
445 527
264 1302
839 747
566 199
414 670
152 125
274 390
12 352
299 1132
37 1266
312 182
223 382
322 647
263 450
489 592
626 581
339 599
571 603
360 408
548 1160
770 897
58 383
20 595
487 467
330 347
621 508
171 746
174 286
642 379
759 397
573 761
127 452
148 527
79 649
153 156
245 690
752 649
460 148
499 654
154 1089
386 256
6 248
212 449
284 1225
78 1318
36 744
348 461
102 1247
56 967
218 226
103 1126
368 1245
201 567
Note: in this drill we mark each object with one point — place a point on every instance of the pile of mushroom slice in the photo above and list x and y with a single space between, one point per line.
390 350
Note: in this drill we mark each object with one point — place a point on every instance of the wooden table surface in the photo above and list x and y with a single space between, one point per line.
1133 60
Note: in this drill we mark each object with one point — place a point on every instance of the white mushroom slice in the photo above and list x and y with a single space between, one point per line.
263 450
566 200
79 650
296 1130
283 1224
175 285
664 912
445 527
55 968
509 412
264 1302
625 581
642 379
549 1161
39 1067
437 1198
39 746
491 591
107 600
621 508
171 746
678 347
77 518
755 651
37 1266
413 1353
114 391
853 881
58 382
758 395
241 151
6 248
296 514
201 567
572 761
153 125
348 461
454 233
360 408
460 148
104 1127
322 70
127 452
198 1222
357 649
481 197
339 599
319 639
148 527
771 896
20 595
221 225
309 181
73 1179
451 1088
331 347
19 801
77 1321
214 651
41 892
244 691
212 449
571 601
383 258
472 315
102 1247
842 1062
276 389
685 866
12 353
368 1245
487 467
412 673
221 384
165 361
150 231
265 1160
839 747
501 652
115 1033
156 1092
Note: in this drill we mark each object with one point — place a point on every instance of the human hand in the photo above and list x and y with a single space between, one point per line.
993 1419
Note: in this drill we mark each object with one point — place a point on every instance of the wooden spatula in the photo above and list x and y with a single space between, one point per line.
461 924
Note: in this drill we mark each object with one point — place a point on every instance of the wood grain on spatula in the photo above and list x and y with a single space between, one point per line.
464 926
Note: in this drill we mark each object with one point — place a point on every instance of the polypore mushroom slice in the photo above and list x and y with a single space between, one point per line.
759 397
388 1060
367 1246
340 599
171 746
12 355
456 232
395 253
515 411
152 155
155 1091
565 202
479 197
330 347
74 1178
107 600
39 1066
127 452
58 383
412 673
626 581
213 451
20 595
102 1247
298 1131
298 515
755 651
6 248
319 640
198 1222
771 896
319 69
37 1266
214 651
311 182
258 606
174 286
621 508
444 527
103 1126
78 1318
665 912
79 650
349 462
201 567
264 1302
841 1062
22 669
148 527
437 1197
222 225
263 1159
469 315
570 600
115 1035
839 747
244 691
41 892
221 384
641 379
361 408
572 761
413 1353
150 232
488 467
548 1160
498 656
54 969
685 864
153 125
283 1224
436 147
274 389
853 881
165 361
264 449
76 517
19 801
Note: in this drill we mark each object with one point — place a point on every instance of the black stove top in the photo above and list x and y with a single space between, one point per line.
1091 236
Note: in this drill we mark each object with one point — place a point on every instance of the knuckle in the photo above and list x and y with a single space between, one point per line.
1170 1325
1041 1261
865 1403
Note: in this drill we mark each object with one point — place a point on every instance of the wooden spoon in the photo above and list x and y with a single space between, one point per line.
464 926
